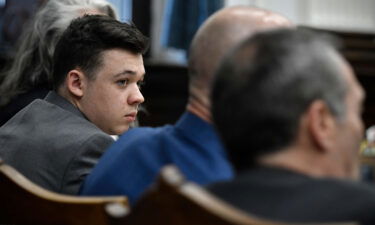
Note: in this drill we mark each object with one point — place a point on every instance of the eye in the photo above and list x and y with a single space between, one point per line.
122 82
140 84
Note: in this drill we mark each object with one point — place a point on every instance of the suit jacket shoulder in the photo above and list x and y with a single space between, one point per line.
283 195
52 144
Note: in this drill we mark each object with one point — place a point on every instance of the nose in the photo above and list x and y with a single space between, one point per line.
136 97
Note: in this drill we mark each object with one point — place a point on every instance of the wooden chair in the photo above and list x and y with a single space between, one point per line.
23 202
174 201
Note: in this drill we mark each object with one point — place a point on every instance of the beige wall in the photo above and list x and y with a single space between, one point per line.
351 15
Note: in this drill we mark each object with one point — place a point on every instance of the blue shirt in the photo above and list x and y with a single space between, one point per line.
133 162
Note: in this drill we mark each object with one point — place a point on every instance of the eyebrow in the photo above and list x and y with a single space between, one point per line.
128 72
125 72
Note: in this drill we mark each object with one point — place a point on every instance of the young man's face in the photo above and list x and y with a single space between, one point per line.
111 100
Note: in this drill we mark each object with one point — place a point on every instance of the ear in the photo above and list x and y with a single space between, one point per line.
75 82
321 125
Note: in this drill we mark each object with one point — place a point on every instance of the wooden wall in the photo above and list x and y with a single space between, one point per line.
359 50
166 85
165 93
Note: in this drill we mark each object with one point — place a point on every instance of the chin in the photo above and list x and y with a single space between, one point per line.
120 131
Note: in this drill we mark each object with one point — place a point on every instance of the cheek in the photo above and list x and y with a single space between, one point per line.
110 94
356 133
359 128
117 103
123 97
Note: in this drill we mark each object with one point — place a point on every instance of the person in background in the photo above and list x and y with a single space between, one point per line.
14 15
288 108
130 166
97 71
29 76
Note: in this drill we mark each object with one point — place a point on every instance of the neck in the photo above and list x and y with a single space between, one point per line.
303 161
199 109
65 94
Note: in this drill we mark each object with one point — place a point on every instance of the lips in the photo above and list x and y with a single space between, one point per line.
131 116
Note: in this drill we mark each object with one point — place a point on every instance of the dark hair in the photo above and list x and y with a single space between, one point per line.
264 86
32 64
86 38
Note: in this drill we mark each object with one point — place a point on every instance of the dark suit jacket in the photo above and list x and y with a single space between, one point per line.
19 102
53 144
283 195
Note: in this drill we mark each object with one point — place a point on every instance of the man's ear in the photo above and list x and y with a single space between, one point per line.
321 125
75 82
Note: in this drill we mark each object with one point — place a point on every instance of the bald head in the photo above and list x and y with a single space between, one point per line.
222 31
219 33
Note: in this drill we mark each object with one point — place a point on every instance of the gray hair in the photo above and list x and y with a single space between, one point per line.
32 64
267 83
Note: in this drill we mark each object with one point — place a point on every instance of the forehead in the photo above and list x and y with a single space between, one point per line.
355 90
120 59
